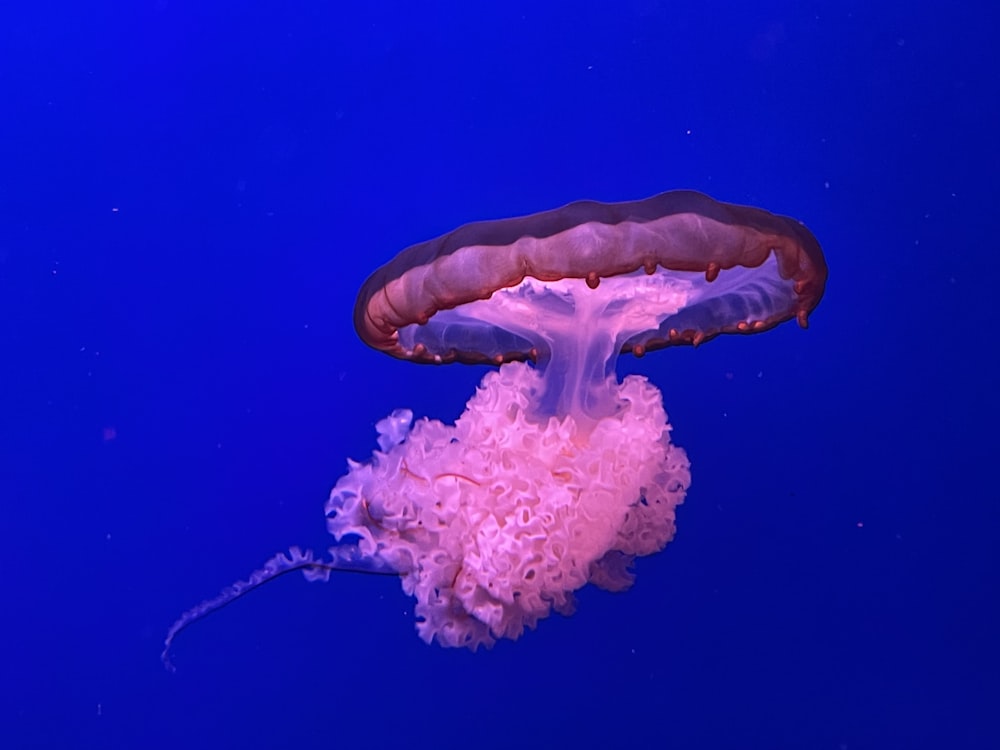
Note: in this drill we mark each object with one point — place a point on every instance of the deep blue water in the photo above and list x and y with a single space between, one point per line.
191 195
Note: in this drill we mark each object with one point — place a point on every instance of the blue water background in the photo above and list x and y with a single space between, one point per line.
191 194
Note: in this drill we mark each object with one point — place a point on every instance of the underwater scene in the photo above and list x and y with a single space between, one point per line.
499 375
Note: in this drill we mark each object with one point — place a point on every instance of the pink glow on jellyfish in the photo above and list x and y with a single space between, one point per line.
556 475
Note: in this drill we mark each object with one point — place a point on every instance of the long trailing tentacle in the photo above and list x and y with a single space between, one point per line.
345 559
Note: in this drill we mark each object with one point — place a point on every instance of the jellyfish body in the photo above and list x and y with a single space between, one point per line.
557 474
495 521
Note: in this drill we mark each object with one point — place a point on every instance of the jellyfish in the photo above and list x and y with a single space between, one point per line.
557 474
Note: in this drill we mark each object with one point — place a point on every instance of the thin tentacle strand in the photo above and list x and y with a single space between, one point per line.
343 559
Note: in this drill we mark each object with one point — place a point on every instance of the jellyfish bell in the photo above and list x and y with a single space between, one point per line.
572 287
556 474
